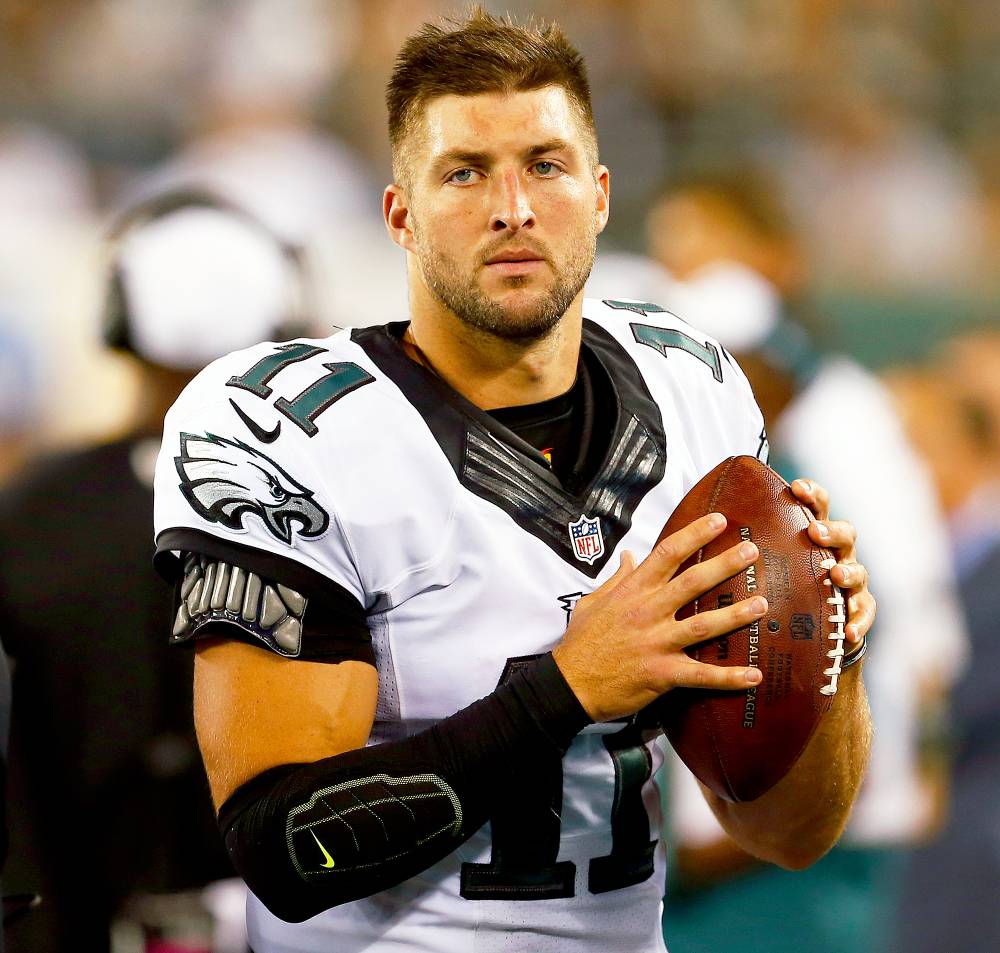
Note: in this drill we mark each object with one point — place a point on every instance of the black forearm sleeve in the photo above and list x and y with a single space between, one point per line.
309 837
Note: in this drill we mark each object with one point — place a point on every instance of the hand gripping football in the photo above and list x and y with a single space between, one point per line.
740 744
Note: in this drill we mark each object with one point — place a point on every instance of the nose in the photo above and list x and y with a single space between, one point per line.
512 210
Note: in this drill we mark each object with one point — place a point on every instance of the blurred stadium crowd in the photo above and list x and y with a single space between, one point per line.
874 120
806 179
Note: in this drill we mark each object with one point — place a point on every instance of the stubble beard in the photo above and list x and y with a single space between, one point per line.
461 294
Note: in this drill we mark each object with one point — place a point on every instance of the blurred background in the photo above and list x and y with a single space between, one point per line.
875 121
815 182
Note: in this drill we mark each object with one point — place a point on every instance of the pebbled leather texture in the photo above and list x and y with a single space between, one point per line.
740 744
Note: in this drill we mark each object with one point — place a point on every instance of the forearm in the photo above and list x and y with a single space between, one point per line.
800 818
309 837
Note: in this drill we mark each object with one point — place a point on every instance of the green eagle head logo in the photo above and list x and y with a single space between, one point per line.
225 480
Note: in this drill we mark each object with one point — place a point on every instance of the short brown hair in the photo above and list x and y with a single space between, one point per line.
482 55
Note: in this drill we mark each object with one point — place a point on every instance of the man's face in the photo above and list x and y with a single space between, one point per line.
505 205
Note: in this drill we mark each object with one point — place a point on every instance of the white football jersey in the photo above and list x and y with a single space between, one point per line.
343 459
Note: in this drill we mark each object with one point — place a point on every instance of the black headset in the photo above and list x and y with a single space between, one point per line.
116 316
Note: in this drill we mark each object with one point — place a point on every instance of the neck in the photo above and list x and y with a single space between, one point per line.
491 371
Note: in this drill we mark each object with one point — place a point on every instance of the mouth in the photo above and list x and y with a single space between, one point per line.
512 262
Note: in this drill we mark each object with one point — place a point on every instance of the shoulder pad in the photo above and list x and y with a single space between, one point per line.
215 591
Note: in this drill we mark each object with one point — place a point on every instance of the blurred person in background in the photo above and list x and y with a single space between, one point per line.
255 139
952 410
47 253
728 245
108 799
16 432
19 400
615 270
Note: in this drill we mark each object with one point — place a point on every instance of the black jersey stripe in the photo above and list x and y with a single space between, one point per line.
485 453
498 491
634 460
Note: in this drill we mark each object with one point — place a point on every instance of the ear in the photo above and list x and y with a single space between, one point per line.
603 206
396 213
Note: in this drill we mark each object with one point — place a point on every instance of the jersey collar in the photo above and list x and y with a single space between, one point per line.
494 463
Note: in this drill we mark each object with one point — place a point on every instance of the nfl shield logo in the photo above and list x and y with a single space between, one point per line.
588 543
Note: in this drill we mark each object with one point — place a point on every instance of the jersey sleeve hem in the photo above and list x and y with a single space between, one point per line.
289 571
334 625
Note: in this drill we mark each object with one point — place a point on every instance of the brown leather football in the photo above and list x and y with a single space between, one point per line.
740 744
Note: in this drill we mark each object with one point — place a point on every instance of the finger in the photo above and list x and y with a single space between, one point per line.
672 550
626 566
833 534
701 577
713 622
814 496
861 610
693 674
850 575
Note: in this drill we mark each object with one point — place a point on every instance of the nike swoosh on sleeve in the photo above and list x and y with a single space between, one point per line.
264 436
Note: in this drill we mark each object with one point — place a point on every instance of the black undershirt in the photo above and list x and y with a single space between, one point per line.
572 430
551 426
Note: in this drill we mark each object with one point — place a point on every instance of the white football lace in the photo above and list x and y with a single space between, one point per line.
836 654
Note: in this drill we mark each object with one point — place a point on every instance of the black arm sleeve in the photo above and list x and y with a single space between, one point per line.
309 837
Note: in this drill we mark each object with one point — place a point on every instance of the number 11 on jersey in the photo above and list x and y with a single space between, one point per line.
524 861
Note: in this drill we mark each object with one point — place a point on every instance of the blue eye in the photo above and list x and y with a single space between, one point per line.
462 176
545 168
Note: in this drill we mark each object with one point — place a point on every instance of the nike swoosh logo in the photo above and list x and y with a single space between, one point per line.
264 436
328 862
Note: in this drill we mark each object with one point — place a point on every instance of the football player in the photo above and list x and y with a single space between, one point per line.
405 556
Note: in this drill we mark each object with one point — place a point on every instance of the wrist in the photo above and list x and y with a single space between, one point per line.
577 684
856 654
555 704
